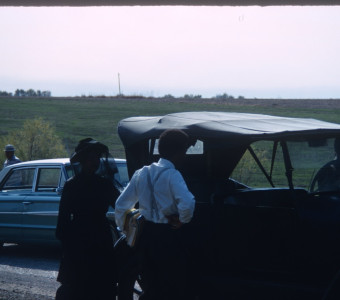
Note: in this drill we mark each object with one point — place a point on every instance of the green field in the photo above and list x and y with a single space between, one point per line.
77 118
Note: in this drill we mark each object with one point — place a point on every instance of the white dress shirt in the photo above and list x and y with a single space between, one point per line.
170 191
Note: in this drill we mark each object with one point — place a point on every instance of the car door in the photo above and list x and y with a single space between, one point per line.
42 205
14 189
320 229
261 219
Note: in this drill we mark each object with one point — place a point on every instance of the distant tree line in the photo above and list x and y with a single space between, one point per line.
38 93
227 97
28 93
224 96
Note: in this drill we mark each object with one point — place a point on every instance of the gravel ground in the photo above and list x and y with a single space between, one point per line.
28 272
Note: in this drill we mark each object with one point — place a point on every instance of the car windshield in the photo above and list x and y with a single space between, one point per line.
122 176
119 170
69 170
314 165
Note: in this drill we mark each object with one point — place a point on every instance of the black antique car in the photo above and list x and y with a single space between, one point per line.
266 226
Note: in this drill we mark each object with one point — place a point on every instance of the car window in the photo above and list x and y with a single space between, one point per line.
196 148
70 172
122 176
315 166
20 179
249 172
48 179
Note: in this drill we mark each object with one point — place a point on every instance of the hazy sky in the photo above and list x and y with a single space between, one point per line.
280 52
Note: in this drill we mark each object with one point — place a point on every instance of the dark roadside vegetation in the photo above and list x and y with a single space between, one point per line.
75 118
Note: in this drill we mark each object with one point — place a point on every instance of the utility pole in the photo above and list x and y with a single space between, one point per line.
119 84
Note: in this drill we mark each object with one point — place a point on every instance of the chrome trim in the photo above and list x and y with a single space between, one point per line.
42 213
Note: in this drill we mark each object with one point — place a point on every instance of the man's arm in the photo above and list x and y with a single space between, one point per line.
185 201
126 201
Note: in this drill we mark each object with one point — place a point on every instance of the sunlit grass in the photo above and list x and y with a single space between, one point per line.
77 118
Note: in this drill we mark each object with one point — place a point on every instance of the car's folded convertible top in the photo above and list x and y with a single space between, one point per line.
219 124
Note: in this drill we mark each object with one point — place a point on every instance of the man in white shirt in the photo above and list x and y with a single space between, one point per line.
164 260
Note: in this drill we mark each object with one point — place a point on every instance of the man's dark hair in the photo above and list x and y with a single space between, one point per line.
172 142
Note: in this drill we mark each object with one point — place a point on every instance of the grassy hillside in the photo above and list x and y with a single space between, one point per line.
77 118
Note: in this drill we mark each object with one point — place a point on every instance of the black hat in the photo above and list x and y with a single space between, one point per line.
88 145
9 148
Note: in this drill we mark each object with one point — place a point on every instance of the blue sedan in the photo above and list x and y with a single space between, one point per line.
30 193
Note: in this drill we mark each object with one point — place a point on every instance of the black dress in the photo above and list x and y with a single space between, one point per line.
87 263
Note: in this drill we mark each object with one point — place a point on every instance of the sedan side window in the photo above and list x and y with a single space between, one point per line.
20 179
48 179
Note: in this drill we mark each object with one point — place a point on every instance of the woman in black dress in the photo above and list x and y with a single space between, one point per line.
87 268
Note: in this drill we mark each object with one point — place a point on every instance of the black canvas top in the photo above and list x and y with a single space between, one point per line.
222 124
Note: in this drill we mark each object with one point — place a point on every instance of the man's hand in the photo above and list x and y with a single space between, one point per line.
174 221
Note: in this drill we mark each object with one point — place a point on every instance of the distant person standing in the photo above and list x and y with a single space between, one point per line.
11 159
